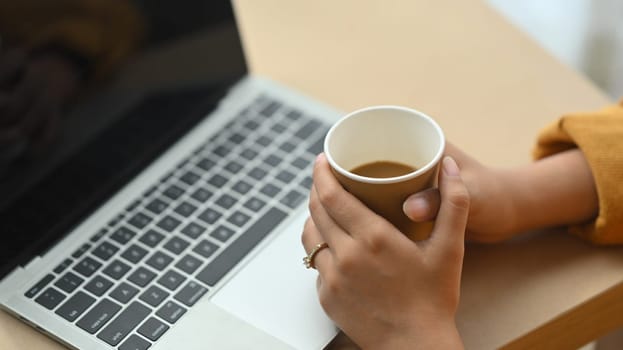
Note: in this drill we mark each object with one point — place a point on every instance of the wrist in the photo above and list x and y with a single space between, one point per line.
441 336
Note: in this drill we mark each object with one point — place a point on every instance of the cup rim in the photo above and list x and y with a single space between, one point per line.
386 180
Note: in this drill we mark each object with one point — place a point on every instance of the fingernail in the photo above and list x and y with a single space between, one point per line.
450 167
319 157
415 206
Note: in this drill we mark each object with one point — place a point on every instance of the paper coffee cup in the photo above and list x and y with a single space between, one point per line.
407 142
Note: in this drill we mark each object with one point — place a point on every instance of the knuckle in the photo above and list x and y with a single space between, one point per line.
306 231
376 241
314 205
332 285
329 198
346 262
459 198
455 254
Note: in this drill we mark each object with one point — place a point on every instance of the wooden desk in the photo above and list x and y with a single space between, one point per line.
491 89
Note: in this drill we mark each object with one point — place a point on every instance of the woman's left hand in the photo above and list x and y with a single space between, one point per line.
383 290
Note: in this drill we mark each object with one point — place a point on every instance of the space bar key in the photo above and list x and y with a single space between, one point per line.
232 254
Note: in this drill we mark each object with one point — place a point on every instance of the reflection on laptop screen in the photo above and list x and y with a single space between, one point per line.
90 93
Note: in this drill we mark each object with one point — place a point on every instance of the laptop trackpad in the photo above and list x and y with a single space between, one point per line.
277 294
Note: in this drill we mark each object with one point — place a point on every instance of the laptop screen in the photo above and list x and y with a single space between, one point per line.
91 93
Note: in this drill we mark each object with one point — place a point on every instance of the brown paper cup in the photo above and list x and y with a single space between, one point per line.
387 133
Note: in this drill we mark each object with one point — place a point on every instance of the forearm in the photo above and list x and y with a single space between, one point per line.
554 191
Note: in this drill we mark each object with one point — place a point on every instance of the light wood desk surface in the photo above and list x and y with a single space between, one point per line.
491 89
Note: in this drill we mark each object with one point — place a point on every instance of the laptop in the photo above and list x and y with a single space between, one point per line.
167 211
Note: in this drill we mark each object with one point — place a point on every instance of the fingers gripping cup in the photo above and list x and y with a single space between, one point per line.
383 154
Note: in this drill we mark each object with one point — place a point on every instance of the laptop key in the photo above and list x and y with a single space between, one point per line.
157 206
185 209
69 282
258 173
300 163
154 296
285 176
140 220
254 204
236 138
151 238
248 154
218 181
101 233
190 178
221 151
206 164
141 276
316 147
226 201
50 298
169 223
188 264
273 160
98 285
105 250
223 233
171 280
117 269
63 266
251 124
242 187
240 247
238 218
87 267
153 329
174 192
292 199
201 195
176 245
122 235
287 146
75 306
159 261
134 253
270 190
134 342
190 294
98 316
80 251
308 129
171 311
38 287
123 293
307 182
263 141
270 109
205 248
123 324
210 216
193 230
233 167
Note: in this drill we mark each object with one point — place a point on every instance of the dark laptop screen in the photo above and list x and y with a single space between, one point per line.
90 93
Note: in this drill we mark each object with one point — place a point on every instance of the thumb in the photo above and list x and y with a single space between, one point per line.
422 206
449 231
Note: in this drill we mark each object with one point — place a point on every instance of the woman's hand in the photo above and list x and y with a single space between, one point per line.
558 190
383 290
490 216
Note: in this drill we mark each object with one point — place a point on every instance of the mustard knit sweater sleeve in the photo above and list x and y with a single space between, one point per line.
600 137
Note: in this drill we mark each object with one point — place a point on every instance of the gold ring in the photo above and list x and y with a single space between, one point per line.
308 261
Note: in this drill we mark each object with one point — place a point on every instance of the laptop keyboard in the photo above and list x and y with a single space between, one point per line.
171 245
